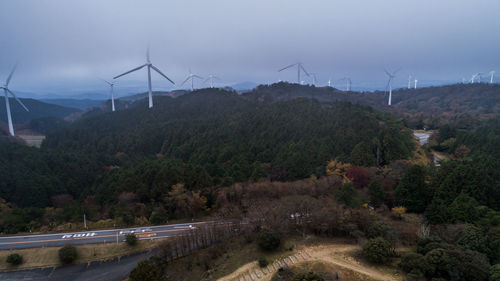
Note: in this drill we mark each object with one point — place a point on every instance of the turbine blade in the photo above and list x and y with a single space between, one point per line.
18 100
107 82
303 69
187 79
387 72
286 67
135 69
10 75
157 70
196 76
395 71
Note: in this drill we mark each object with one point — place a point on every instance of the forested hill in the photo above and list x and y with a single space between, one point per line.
284 91
37 109
217 126
460 105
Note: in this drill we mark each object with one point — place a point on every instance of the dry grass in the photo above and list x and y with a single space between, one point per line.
49 257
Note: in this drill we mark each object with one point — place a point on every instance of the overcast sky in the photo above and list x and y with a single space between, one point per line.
68 45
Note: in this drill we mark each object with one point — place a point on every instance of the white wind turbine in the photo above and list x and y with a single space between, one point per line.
300 67
330 82
314 78
192 77
7 105
149 65
211 78
409 81
389 83
492 73
111 85
416 81
473 79
348 83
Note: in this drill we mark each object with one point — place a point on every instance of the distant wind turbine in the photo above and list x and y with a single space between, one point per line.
409 81
7 105
348 83
416 81
149 66
112 95
192 77
314 78
211 78
330 82
389 83
300 67
473 79
492 73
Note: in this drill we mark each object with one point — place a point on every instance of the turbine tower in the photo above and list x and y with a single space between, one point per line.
409 81
330 82
389 83
111 85
191 76
300 67
492 73
211 78
348 83
149 65
7 91
416 81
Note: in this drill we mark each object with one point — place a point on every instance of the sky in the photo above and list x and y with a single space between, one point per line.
66 47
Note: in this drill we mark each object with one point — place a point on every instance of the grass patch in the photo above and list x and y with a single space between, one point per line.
49 257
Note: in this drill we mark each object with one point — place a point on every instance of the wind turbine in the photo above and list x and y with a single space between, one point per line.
416 81
300 67
389 83
473 79
492 73
211 78
7 105
112 95
149 65
409 81
191 76
330 82
314 78
348 83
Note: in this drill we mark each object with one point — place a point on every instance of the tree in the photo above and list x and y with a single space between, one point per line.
378 250
146 271
348 195
495 272
263 262
15 259
131 239
377 193
472 238
412 191
307 276
411 261
362 154
68 254
268 240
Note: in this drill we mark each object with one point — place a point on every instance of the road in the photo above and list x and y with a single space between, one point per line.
93 237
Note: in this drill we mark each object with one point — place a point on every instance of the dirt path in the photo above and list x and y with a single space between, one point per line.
337 254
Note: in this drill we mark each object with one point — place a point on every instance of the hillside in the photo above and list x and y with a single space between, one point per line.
37 109
81 104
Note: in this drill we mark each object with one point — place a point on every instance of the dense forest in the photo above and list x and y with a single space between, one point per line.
203 140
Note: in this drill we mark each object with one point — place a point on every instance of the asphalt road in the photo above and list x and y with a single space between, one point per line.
92 237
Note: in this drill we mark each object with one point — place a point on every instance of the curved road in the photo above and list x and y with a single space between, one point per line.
93 237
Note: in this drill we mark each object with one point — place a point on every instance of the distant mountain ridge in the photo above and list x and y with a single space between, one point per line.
37 109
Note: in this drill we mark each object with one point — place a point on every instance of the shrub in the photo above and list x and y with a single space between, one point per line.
472 238
68 254
131 239
377 193
268 240
412 261
146 270
307 276
378 229
15 259
263 262
415 275
495 273
378 250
